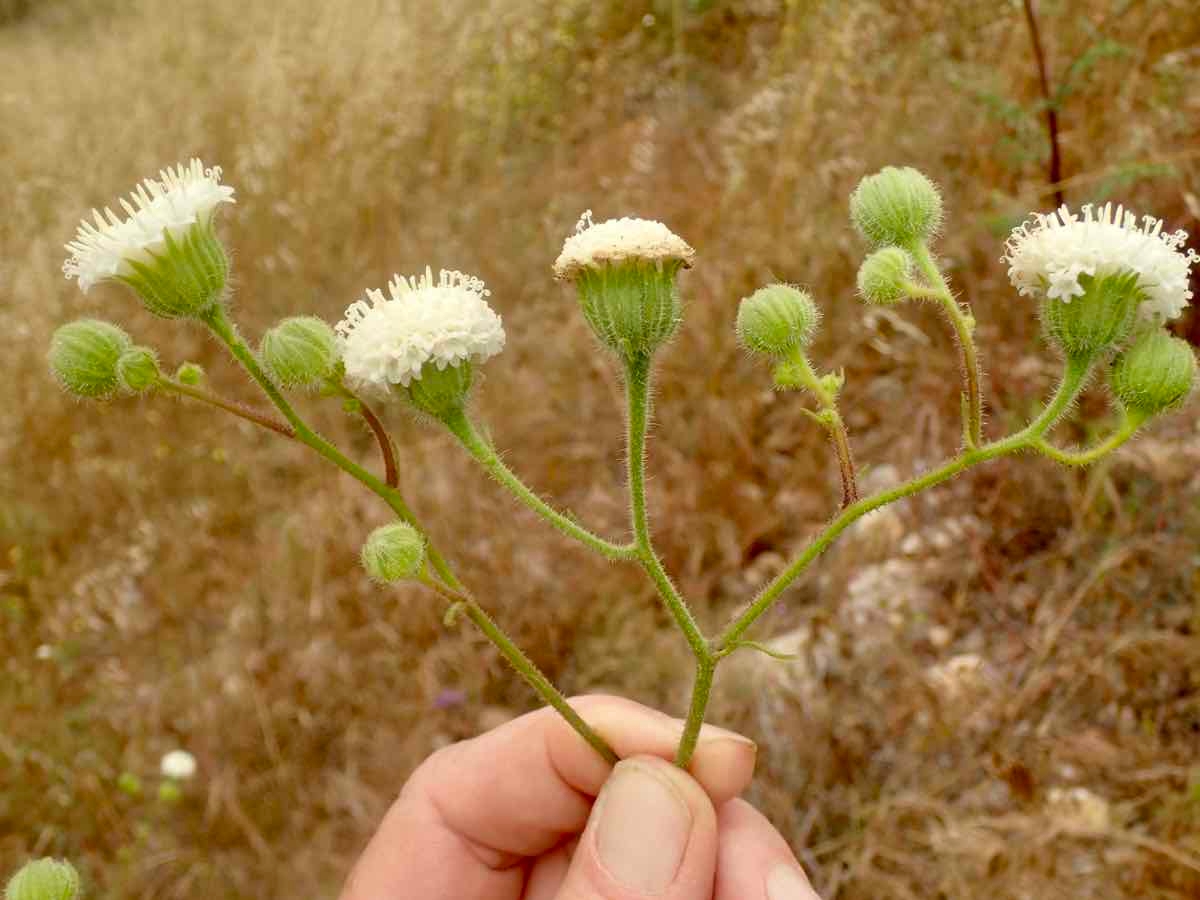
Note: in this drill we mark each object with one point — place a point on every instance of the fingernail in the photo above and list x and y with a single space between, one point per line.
786 882
643 830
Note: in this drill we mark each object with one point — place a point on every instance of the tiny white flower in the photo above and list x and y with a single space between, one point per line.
387 340
1048 255
180 198
178 764
617 241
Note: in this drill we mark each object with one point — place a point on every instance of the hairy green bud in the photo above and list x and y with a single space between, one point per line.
394 552
44 879
137 370
189 373
777 319
632 306
187 278
884 276
1155 374
300 351
1099 320
441 393
897 206
83 357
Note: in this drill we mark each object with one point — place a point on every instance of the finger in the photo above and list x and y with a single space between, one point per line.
651 834
547 874
754 862
474 810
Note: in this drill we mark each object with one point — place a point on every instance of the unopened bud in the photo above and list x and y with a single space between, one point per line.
44 879
896 206
189 373
394 552
1155 374
776 320
300 351
137 370
884 276
84 354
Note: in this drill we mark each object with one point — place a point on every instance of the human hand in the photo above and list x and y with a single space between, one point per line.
529 811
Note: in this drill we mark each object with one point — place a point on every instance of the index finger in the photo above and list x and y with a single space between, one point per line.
473 812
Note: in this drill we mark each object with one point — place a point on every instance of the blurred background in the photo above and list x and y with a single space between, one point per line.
997 689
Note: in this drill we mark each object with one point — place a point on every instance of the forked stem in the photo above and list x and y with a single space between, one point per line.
481 449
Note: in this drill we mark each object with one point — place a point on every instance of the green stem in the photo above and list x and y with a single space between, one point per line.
526 668
218 321
1132 422
231 406
637 387
964 326
1073 381
830 419
701 690
485 454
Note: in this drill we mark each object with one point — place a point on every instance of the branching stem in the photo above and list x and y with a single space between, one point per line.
964 327
231 406
485 454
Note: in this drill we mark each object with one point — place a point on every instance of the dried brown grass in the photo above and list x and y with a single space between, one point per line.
196 581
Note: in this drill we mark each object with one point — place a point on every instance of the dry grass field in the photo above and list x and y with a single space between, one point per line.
173 579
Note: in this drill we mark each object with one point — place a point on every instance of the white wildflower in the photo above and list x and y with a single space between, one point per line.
617 241
1048 255
178 764
387 340
181 197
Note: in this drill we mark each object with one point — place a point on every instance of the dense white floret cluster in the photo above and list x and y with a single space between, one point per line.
180 198
1048 255
619 240
387 340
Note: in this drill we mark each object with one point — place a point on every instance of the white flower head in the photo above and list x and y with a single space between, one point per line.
617 241
178 764
181 197
387 340
1047 255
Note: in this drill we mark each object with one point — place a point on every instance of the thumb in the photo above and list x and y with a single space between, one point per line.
652 833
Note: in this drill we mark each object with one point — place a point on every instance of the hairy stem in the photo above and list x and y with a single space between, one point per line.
485 454
387 447
830 419
701 690
218 321
1074 379
526 668
964 326
1128 428
637 387
231 406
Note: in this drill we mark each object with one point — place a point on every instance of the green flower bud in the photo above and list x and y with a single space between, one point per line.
625 272
169 792
83 357
394 552
137 370
44 879
896 206
300 352
187 278
441 393
884 275
776 320
633 307
1155 374
1098 320
189 373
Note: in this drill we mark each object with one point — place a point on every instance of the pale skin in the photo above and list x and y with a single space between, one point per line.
529 811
